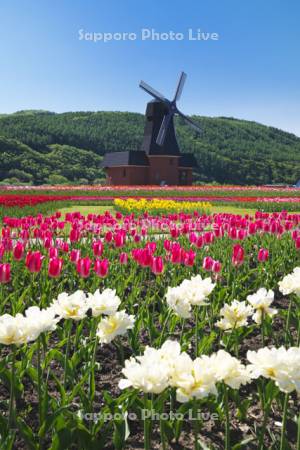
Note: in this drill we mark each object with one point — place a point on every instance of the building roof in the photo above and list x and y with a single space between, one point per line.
129 158
187 160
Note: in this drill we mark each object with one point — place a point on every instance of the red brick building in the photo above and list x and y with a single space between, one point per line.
153 164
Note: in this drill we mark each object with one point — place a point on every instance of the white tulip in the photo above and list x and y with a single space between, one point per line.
114 325
106 302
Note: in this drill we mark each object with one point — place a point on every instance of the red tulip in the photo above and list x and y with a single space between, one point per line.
151 246
157 265
101 267
189 258
216 267
119 239
53 252
54 267
74 255
83 267
97 248
4 273
108 236
297 243
167 244
33 261
74 235
5 233
263 255
176 253
207 263
65 247
18 251
123 258
237 255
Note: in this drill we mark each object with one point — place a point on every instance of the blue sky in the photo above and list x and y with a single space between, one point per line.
252 71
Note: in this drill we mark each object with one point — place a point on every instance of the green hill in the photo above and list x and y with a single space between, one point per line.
43 144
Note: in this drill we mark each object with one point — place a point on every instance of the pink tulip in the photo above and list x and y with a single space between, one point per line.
65 247
4 273
119 240
34 261
157 265
263 255
74 235
74 255
53 252
83 267
237 255
216 267
108 236
55 267
207 263
101 267
123 258
97 248
189 258
18 251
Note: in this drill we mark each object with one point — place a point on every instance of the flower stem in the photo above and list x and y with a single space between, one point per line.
162 431
196 331
12 404
69 328
287 325
298 434
263 328
147 425
284 419
195 425
227 419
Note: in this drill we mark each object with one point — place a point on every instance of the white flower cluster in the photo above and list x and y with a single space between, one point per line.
158 369
291 283
25 328
193 292
105 303
22 329
234 315
278 364
237 313
261 302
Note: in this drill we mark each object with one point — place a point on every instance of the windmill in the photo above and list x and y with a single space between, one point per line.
165 112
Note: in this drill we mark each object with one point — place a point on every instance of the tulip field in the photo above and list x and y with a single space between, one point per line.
155 325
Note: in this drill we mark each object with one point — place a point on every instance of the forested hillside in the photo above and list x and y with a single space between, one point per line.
39 146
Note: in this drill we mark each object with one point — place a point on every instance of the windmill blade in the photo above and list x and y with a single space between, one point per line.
152 92
189 122
180 85
163 129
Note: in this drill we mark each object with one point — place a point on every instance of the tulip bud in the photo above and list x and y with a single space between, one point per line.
207 263
4 273
74 235
33 261
101 267
157 265
54 267
18 251
74 255
97 248
237 255
53 252
123 258
263 255
83 267
216 267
